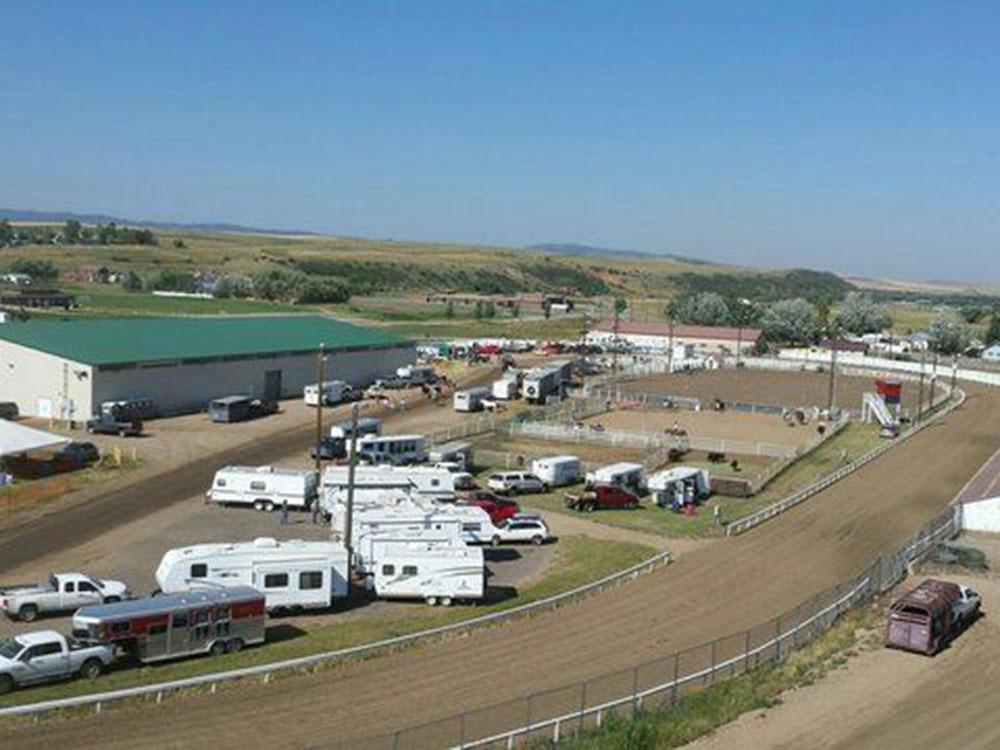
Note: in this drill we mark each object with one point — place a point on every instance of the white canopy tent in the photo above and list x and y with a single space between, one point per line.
15 438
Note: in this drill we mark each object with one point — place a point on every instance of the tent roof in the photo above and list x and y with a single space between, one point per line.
15 438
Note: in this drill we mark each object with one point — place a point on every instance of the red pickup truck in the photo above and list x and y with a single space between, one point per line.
498 508
601 497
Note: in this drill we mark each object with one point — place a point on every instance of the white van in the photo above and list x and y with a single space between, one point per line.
557 471
292 575
332 393
628 476
397 450
470 399
264 487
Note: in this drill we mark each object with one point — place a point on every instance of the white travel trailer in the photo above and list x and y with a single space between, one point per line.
373 483
557 471
626 475
458 452
264 487
418 374
470 399
541 382
332 393
366 426
397 450
679 486
507 387
428 571
291 574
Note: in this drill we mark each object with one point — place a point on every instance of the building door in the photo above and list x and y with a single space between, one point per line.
272 385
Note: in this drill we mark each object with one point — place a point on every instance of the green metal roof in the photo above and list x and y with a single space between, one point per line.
116 341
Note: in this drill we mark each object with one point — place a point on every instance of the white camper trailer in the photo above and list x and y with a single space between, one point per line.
507 387
372 483
366 426
557 471
458 452
291 574
397 450
470 399
332 393
626 475
679 486
436 574
264 487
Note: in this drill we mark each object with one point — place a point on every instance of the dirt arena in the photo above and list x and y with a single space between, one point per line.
751 428
766 387
719 588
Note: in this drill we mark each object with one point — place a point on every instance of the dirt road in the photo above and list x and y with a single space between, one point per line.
718 589
890 698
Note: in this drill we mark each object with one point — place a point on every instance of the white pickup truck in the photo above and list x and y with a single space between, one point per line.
45 656
63 592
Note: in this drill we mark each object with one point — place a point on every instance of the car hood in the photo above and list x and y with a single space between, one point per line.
113 588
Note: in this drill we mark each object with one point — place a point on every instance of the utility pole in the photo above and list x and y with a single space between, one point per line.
833 375
670 344
320 397
351 466
920 396
739 341
614 352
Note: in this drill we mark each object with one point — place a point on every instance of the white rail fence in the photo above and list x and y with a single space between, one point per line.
213 680
552 715
764 514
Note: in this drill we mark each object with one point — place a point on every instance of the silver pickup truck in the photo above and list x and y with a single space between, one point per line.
45 656
64 592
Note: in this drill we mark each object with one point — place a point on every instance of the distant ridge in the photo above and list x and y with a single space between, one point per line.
572 248
59 217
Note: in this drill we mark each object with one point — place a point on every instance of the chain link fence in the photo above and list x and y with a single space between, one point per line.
662 682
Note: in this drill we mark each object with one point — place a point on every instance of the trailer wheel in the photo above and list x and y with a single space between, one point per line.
235 645
269 506
258 505
218 648
28 613
589 507
7 684
445 601
91 669
431 601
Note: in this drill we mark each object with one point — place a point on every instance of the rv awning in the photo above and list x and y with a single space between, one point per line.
15 438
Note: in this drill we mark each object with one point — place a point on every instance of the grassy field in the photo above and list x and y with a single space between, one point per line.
578 561
698 713
851 442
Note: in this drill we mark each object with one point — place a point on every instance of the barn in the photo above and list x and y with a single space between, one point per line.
64 368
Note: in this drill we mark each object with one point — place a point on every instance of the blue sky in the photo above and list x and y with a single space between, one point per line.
855 136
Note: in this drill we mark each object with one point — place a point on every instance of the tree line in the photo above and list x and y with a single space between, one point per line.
74 233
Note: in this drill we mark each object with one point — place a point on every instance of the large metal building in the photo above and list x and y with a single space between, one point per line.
65 368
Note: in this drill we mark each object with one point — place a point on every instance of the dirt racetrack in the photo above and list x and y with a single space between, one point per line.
718 589
766 387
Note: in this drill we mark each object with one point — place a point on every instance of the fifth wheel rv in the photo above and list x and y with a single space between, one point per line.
292 574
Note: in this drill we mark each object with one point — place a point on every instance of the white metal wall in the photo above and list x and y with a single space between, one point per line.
38 382
982 515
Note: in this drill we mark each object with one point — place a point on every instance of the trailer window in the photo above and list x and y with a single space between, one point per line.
388 570
409 570
180 620
220 482
199 570
157 629
258 486
276 580
310 579
117 628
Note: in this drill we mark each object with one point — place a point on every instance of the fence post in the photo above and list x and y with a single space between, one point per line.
777 638
746 653
711 674
583 704
527 724
677 666
635 688
461 730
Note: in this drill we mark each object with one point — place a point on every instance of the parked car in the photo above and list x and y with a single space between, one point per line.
329 448
108 425
499 509
601 497
521 528
515 482
46 656
63 592
79 453
9 410
391 383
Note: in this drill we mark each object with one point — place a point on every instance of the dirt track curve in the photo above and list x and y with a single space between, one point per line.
718 589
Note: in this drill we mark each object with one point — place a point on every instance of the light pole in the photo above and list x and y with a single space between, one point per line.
320 396
833 370
349 511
